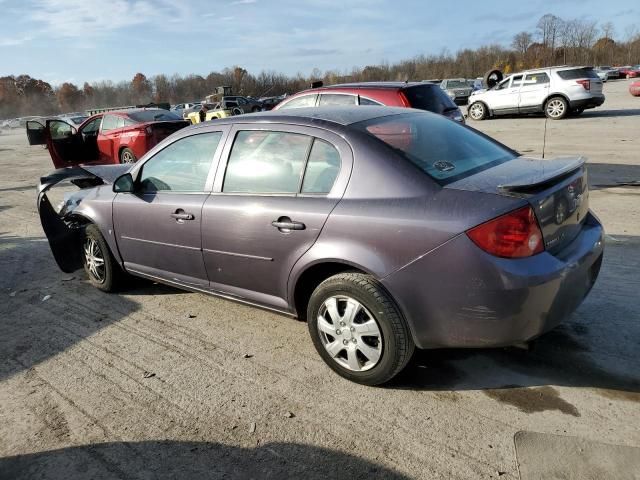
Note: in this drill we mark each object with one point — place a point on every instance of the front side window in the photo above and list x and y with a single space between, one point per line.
182 166
444 150
516 81
266 162
301 102
336 99
92 127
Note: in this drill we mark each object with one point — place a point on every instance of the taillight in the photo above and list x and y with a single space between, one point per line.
586 84
405 101
513 235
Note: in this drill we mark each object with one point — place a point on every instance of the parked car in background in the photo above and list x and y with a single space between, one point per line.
111 137
385 228
612 73
194 107
246 104
630 71
179 108
556 91
458 89
269 103
74 118
420 95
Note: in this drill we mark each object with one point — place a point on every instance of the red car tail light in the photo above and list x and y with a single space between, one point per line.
513 235
586 84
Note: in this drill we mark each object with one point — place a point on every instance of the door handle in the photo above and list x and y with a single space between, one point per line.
285 224
181 216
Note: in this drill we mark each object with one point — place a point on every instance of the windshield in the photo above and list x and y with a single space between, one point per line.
441 148
457 84
158 115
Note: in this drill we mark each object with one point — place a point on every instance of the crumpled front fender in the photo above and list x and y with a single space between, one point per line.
64 233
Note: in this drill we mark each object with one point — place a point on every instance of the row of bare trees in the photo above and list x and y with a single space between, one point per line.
553 41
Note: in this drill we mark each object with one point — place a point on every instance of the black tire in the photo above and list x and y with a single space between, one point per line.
492 78
111 276
396 343
476 108
127 156
558 113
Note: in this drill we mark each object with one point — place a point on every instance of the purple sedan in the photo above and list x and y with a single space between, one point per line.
384 228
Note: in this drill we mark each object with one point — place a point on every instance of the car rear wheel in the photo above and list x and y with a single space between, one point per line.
358 330
556 108
477 111
127 156
103 271
255 109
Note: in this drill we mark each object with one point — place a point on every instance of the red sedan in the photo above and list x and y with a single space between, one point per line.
121 136
629 72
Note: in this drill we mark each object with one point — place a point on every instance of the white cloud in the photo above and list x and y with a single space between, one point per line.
15 41
243 2
88 18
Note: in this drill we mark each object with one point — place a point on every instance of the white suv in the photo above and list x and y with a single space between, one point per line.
556 91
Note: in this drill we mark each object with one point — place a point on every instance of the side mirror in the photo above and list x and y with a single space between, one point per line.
124 184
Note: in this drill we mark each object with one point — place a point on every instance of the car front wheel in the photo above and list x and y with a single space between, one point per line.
103 271
477 111
358 330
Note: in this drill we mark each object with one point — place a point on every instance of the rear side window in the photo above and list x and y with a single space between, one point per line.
322 168
266 162
368 101
429 97
301 102
536 79
576 73
110 122
444 150
336 99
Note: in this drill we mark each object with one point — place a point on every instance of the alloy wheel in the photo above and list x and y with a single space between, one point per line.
127 157
349 333
94 259
476 111
555 108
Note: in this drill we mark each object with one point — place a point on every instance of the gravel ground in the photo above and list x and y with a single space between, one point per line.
159 383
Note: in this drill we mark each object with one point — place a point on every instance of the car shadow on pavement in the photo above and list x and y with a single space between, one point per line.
612 175
601 113
39 317
597 347
190 460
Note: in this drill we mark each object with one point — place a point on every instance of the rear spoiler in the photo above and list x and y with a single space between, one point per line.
546 179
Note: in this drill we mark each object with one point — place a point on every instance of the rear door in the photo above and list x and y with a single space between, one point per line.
108 137
158 227
534 91
271 199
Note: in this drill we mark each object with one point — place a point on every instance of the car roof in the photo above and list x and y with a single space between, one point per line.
374 85
339 115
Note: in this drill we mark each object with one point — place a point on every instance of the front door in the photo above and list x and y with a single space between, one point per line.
272 200
158 226
505 95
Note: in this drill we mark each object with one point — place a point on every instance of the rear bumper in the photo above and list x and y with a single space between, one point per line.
459 296
587 103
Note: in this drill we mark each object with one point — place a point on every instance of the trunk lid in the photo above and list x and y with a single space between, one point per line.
557 190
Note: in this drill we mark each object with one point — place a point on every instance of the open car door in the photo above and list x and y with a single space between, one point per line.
36 133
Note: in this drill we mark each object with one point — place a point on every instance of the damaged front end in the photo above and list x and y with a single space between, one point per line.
64 227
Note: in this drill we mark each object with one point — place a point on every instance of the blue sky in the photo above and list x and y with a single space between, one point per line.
90 40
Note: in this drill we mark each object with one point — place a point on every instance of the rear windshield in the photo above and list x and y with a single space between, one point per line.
429 97
153 116
441 148
457 84
576 73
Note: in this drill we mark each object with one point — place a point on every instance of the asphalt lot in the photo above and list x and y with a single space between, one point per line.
158 383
